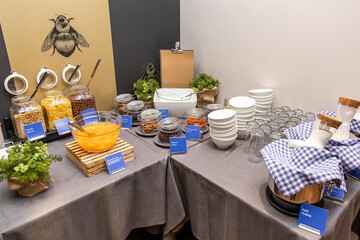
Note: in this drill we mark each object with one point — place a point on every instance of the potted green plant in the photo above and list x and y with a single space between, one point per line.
206 87
145 90
26 167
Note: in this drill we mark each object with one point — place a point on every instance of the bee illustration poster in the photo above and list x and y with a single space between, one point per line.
53 33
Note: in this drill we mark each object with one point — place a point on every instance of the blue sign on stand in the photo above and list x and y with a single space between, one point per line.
89 116
126 121
193 132
178 145
34 131
355 173
115 163
336 193
312 218
164 113
62 126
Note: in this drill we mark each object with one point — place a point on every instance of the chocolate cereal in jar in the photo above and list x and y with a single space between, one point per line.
121 101
24 111
168 128
81 99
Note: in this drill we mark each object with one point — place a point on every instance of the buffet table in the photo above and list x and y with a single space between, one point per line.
224 198
100 207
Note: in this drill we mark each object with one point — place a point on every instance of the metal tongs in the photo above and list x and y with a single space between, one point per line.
191 94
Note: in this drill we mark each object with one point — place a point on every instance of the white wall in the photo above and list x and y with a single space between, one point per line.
308 51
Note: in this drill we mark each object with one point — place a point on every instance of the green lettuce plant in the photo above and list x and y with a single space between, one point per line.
203 81
144 88
27 161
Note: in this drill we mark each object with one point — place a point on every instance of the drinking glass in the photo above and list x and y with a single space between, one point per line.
278 111
290 124
303 118
280 121
310 116
295 119
299 112
274 136
285 108
249 127
256 143
267 130
259 121
265 118
291 113
272 115
274 126
284 116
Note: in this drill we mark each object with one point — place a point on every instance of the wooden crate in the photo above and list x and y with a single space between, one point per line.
94 163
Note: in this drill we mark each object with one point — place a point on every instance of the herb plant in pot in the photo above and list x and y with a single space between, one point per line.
145 89
26 168
206 88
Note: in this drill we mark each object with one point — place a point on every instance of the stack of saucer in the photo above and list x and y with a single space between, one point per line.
263 98
223 129
245 111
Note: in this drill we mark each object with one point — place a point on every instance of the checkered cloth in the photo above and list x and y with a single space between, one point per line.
347 150
294 169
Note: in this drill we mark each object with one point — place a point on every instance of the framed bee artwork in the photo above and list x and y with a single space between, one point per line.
53 33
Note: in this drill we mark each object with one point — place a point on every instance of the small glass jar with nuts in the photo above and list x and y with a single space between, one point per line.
24 111
81 99
149 121
121 101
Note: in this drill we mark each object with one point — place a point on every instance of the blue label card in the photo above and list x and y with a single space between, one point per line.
34 131
178 145
164 113
193 132
126 121
336 193
115 163
118 119
62 126
355 173
312 218
89 116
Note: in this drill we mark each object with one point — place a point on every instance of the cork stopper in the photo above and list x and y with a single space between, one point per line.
349 102
329 121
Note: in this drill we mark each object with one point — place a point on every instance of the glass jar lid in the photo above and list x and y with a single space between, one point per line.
135 105
78 88
53 93
349 102
169 124
196 112
150 114
21 99
123 98
329 121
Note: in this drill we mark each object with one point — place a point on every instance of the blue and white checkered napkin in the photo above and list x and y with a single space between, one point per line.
348 152
294 169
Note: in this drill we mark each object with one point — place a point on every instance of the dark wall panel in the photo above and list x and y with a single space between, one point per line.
4 72
139 29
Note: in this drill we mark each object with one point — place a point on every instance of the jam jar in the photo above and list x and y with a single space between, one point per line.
121 101
168 128
81 99
196 117
24 111
56 106
149 121
134 109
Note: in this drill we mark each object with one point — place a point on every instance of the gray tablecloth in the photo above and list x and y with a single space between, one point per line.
224 197
100 207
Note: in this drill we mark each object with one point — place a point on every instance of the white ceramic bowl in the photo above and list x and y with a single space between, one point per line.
261 92
264 102
231 134
221 124
262 108
223 130
242 102
241 133
270 96
223 115
222 143
244 112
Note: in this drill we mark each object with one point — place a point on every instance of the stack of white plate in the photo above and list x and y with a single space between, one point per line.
263 98
245 111
223 129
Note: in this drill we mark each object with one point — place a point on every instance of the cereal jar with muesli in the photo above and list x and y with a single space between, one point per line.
149 121
81 99
24 111
56 106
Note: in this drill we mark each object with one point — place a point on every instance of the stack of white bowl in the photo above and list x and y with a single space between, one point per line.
223 129
245 111
263 98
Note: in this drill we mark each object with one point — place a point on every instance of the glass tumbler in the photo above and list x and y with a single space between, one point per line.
267 130
290 124
310 116
285 108
274 136
278 111
249 127
272 115
299 112
284 116
256 143
295 119
303 118
291 113
274 126
280 121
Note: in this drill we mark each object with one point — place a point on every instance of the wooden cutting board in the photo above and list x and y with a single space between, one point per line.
177 69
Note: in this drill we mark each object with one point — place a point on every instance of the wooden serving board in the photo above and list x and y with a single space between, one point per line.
94 163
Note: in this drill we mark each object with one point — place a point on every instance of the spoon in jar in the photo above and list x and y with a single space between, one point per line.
39 84
93 73
72 75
